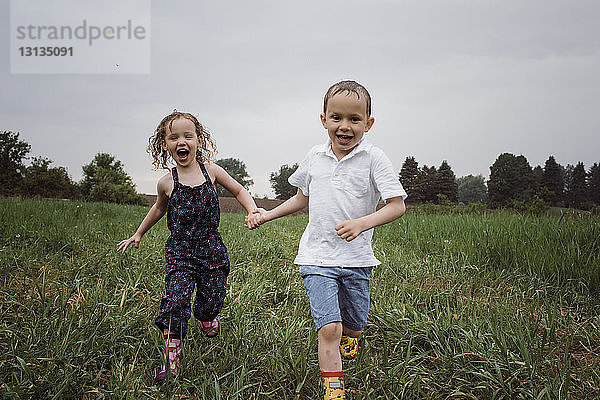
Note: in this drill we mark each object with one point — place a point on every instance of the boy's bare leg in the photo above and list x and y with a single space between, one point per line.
329 351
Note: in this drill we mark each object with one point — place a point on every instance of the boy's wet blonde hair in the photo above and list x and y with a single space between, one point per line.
350 87
207 148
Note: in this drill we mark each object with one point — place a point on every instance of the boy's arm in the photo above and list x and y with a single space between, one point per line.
154 215
394 208
290 206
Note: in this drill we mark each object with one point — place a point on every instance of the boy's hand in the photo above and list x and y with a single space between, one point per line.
255 219
350 229
124 244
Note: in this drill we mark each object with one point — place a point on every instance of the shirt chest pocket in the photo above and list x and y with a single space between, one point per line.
356 182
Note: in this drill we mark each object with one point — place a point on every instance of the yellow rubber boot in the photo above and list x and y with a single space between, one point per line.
348 347
333 385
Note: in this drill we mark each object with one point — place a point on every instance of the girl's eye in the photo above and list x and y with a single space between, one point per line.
335 117
356 119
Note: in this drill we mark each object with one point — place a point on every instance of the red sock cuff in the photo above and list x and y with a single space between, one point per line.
332 374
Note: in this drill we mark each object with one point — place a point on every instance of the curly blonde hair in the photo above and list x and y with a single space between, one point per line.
206 151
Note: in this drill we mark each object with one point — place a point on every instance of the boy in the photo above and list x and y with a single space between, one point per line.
341 182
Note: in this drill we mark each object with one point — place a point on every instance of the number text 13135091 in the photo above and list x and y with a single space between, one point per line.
47 51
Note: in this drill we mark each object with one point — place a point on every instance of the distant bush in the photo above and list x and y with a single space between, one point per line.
447 207
476 208
42 181
535 206
105 180
12 153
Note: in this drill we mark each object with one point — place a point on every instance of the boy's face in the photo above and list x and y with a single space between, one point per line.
181 141
346 122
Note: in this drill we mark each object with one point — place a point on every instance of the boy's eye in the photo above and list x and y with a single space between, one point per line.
335 117
355 119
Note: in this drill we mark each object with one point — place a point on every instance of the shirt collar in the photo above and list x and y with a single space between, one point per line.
363 145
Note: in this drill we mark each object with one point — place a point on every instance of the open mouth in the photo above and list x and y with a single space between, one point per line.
344 139
183 153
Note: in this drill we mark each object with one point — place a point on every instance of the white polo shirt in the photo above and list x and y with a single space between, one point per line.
338 191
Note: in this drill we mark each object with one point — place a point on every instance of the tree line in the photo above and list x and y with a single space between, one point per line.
104 178
512 182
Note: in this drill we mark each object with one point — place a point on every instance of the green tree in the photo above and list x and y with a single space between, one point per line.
567 172
279 182
105 180
471 189
538 174
237 169
593 183
409 175
511 178
426 189
446 182
43 181
553 179
12 153
577 190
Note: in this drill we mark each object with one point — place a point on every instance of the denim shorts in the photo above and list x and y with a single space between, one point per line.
338 294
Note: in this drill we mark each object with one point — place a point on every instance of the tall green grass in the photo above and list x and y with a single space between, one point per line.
463 306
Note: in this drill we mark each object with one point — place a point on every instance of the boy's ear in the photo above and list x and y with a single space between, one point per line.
369 124
323 120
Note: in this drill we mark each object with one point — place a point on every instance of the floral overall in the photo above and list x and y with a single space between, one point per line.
195 255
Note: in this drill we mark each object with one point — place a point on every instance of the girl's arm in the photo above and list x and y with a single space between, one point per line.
394 208
234 187
154 215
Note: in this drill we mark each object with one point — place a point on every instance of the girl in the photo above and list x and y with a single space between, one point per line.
195 253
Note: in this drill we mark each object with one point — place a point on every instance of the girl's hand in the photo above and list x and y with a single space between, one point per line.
124 244
255 219
350 229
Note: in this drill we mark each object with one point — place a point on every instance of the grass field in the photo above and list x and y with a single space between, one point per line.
484 306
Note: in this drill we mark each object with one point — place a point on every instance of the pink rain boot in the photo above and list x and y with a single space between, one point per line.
210 329
173 351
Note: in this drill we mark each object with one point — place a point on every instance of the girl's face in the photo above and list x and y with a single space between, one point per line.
181 141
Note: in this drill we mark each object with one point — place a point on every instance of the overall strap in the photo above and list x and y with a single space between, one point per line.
206 176
175 176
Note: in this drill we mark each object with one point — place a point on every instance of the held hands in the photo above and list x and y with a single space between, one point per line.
255 219
350 229
124 244
347 230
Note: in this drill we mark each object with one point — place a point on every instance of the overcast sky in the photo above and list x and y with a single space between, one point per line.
462 81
